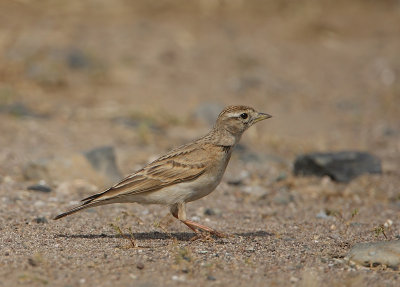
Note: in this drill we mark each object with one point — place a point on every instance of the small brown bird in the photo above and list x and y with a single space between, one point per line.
184 174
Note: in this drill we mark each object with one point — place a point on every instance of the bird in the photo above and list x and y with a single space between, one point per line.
184 174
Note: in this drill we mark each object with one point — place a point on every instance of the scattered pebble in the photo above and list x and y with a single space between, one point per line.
195 218
293 279
211 278
373 254
103 160
42 187
212 211
140 266
250 249
32 262
283 198
388 223
322 215
181 278
40 220
255 190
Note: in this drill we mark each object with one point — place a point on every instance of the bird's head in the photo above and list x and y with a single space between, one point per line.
236 119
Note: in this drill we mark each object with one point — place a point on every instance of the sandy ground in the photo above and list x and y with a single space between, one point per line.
133 75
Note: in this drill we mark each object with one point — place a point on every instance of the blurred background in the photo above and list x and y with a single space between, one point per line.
92 90
144 76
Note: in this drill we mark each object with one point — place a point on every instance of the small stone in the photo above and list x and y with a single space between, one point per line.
255 190
212 211
250 249
376 253
42 187
32 262
388 223
211 278
283 198
340 166
181 278
294 279
76 59
40 220
322 215
140 266
103 160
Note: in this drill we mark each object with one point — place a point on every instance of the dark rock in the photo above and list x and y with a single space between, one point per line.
235 182
76 59
211 278
212 211
140 266
40 187
32 262
372 254
40 220
103 160
341 166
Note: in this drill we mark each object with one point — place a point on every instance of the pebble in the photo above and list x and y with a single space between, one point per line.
376 253
283 198
212 211
322 215
211 278
103 160
340 166
32 262
140 266
40 220
42 187
181 278
250 249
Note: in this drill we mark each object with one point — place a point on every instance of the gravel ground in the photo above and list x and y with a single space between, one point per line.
143 77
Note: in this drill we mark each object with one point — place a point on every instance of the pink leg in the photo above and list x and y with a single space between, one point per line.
179 212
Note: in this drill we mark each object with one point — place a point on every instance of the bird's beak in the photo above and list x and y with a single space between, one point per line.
262 116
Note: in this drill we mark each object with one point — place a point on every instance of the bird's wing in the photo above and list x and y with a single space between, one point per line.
177 166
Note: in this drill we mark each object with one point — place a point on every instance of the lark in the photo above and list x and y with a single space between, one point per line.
184 174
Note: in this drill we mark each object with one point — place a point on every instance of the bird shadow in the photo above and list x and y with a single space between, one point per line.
181 236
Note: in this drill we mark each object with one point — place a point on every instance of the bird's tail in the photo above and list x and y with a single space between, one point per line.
88 202
78 208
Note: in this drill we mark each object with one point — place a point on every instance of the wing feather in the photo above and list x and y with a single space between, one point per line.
168 170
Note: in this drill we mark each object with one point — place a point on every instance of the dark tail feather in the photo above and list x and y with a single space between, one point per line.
93 197
78 208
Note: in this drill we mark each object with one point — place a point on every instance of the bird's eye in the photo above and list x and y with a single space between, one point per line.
244 116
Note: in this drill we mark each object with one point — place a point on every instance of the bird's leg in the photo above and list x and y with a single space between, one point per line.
178 210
